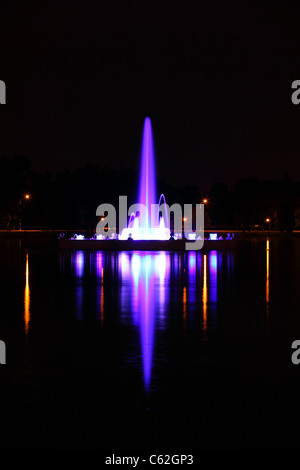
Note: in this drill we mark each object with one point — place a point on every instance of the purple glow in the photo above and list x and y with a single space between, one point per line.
213 236
99 263
146 225
143 307
148 283
79 263
147 275
77 237
79 271
135 269
126 290
192 288
213 274
213 262
146 293
162 269
192 236
192 263
166 214
147 192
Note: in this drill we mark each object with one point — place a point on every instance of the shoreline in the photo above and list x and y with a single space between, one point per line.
50 238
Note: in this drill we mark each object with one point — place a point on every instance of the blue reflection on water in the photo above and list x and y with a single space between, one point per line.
192 286
79 267
100 285
79 263
147 318
192 263
147 273
144 287
162 275
213 273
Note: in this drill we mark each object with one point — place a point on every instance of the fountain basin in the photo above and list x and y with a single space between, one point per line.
142 245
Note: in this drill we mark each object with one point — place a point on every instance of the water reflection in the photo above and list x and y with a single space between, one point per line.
79 264
100 286
213 272
192 287
79 267
27 297
146 314
204 293
184 307
143 288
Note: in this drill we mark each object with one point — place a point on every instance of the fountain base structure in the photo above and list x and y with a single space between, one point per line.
142 245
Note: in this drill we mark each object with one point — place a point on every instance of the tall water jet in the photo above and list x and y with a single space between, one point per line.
147 190
144 224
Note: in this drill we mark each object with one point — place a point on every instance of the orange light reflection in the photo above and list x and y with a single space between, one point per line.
27 297
184 307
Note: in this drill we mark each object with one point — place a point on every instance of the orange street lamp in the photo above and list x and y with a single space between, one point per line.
205 201
268 220
27 196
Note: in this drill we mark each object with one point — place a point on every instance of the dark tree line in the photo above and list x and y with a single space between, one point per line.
253 201
68 199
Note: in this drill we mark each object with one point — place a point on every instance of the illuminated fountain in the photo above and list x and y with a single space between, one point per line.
145 223
149 219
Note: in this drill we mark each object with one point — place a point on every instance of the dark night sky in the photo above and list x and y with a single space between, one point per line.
215 78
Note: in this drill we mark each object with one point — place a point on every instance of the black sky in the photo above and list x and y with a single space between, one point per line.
215 78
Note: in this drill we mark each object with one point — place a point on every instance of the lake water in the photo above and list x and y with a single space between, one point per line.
150 351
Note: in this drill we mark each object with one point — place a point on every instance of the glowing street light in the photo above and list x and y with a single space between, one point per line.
268 220
205 201
26 197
